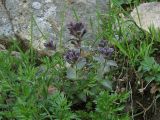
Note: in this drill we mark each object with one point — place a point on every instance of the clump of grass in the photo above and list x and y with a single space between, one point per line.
52 90
136 52
54 87
99 81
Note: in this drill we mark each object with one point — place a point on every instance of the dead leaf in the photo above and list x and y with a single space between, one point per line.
154 88
51 89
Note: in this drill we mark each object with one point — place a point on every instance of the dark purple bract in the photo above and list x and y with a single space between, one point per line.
50 45
77 29
72 56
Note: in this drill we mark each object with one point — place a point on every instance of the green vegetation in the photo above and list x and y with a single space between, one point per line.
114 77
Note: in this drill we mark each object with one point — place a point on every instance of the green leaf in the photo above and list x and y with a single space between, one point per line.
81 63
150 78
157 78
120 2
99 59
71 73
83 96
107 84
102 70
148 64
111 63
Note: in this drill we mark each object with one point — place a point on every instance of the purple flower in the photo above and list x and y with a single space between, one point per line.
72 56
50 45
106 51
102 43
77 29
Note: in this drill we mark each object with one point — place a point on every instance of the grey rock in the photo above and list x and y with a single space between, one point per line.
147 15
6 30
16 54
2 47
34 21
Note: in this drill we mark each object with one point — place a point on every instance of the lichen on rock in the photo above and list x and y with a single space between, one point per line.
147 15
34 21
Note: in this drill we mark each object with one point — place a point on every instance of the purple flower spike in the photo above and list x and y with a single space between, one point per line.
50 45
72 56
110 51
106 51
77 29
102 43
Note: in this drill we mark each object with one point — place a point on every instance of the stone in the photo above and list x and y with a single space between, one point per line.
149 15
6 30
34 21
2 47
16 54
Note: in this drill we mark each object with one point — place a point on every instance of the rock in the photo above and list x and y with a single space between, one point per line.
13 53
16 54
34 21
2 47
6 30
149 15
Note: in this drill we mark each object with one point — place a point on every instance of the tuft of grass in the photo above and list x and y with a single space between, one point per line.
101 81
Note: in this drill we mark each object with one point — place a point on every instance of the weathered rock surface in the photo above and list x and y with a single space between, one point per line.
149 15
6 30
37 20
2 47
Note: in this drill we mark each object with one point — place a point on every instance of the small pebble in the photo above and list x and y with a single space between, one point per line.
16 54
